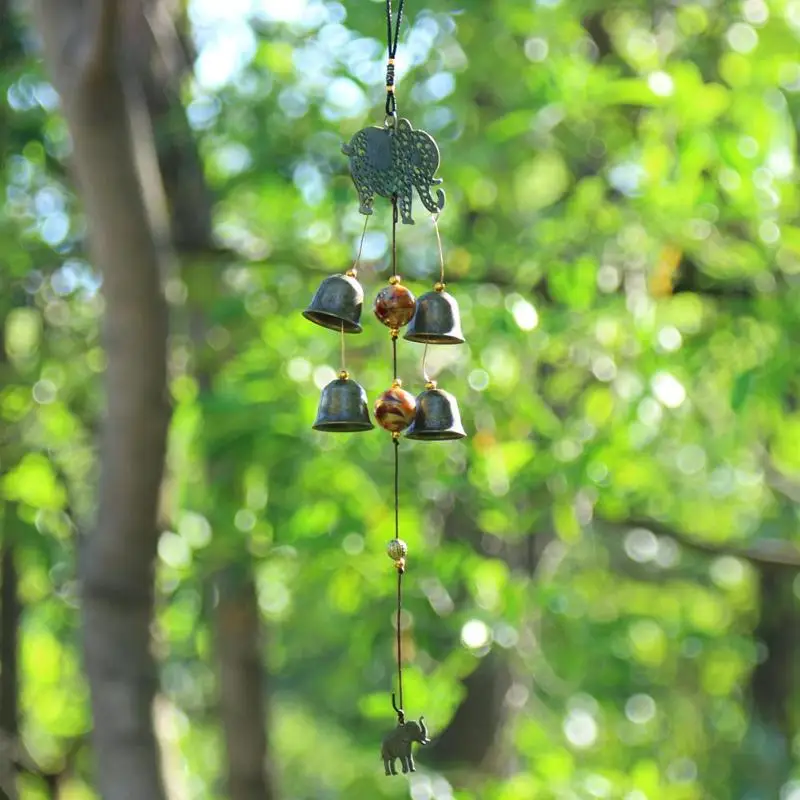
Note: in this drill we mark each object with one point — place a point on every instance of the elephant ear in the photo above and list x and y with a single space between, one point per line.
410 731
378 148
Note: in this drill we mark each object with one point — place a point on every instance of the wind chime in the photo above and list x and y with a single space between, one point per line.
389 161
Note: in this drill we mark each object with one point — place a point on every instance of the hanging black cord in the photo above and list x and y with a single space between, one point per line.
400 711
395 218
394 275
400 570
391 40
396 441
396 488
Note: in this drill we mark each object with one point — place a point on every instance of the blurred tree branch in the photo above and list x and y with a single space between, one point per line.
779 482
762 552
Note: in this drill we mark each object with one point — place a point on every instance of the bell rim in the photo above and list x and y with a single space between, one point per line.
343 427
433 338
435 436
331 321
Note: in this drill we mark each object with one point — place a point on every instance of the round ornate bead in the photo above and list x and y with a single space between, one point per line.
397 549
395 409
395 306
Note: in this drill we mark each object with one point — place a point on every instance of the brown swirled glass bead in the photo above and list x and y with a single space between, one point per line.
395 305
395 409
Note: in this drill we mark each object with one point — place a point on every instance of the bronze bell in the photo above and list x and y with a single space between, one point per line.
437 417
437 319
343 407
337 304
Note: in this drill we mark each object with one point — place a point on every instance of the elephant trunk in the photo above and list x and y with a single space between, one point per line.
432 204
423 731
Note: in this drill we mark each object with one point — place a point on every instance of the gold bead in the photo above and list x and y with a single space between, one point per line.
344 375
395 279
394 333
430 385
439 286
397 549
395 435
400 565
397 383
352 273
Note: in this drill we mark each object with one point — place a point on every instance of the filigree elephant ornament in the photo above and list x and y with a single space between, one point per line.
398 745
391 161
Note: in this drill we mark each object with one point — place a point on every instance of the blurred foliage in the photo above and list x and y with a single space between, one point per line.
622 235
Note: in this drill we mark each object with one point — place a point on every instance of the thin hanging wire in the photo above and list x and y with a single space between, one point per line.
435 218
357 262
425 375
343 370
391 41
353 272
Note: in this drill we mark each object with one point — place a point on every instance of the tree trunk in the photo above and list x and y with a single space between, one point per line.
477 734
766 759
82 52
242 689
9 676
158 50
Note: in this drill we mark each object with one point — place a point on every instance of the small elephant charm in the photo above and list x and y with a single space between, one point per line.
392 160
398 745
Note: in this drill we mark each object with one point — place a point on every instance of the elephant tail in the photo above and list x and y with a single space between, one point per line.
440 198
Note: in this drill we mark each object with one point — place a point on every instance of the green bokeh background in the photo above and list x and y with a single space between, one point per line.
621 233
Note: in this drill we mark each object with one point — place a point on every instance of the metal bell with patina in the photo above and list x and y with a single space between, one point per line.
437 319
337 304
343 407
437 418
